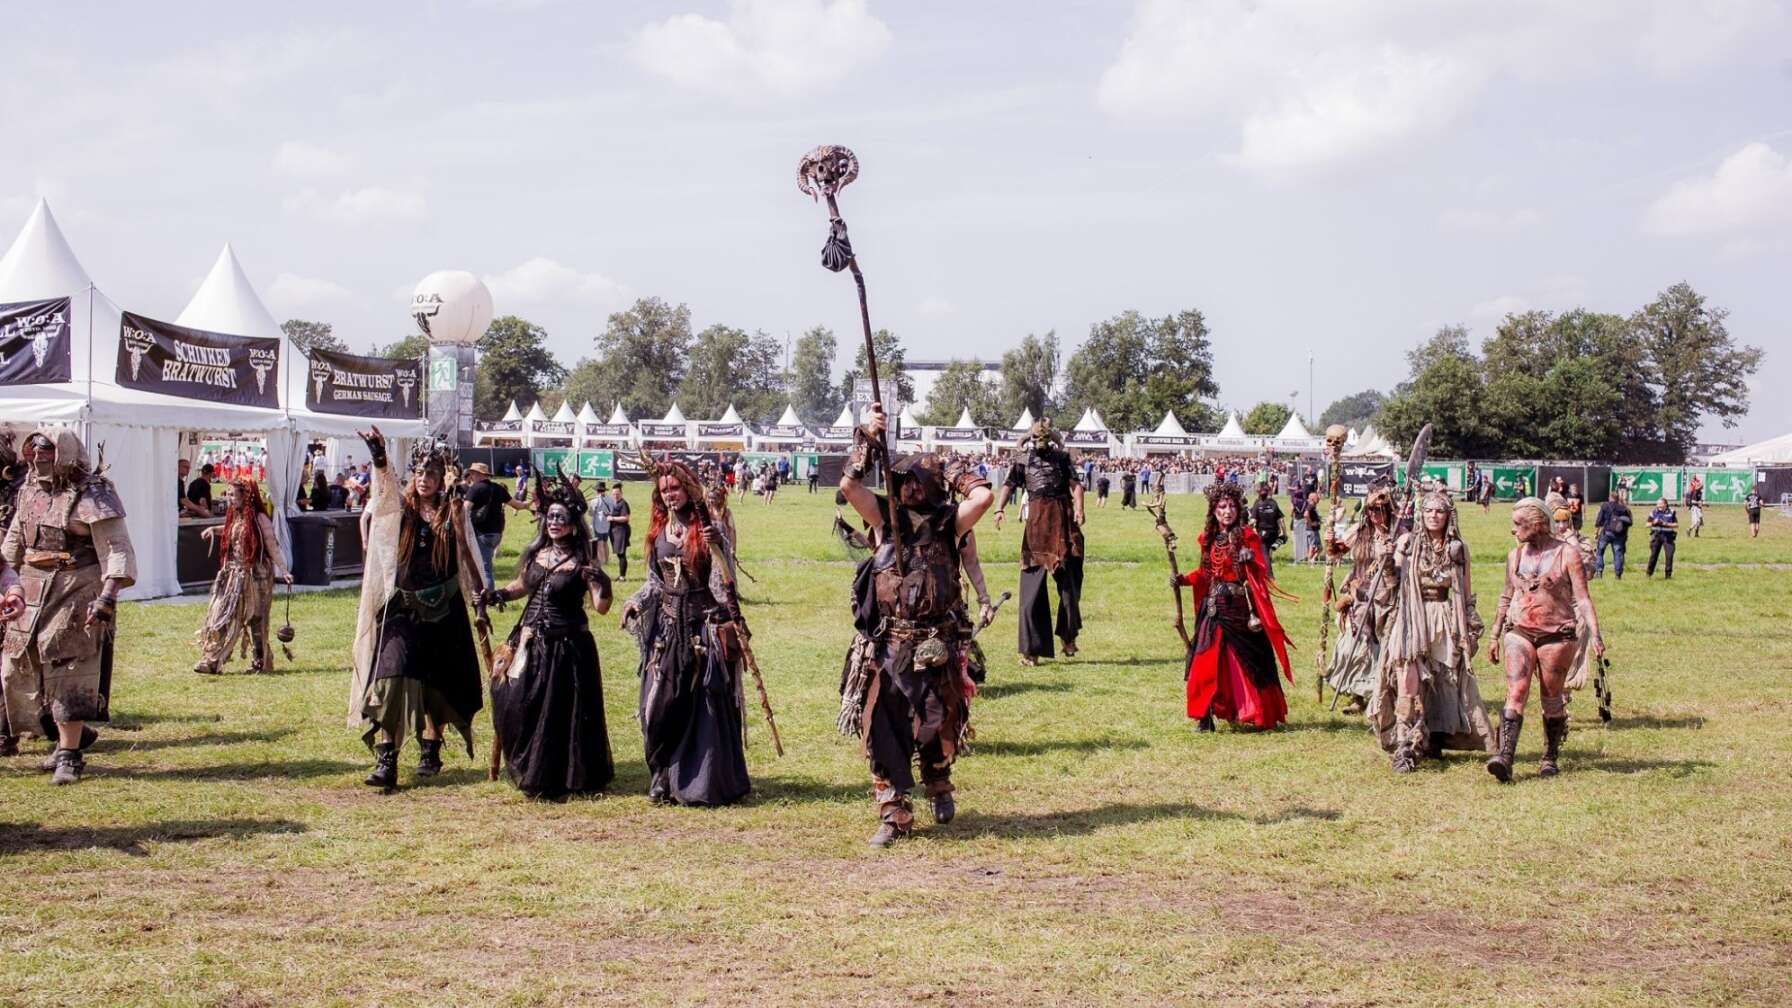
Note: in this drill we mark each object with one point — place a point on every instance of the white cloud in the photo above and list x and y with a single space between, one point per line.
764 48
298 159
1494 309
1481 221
935 306
1311 83
542 280
368 205
1749 193
290 291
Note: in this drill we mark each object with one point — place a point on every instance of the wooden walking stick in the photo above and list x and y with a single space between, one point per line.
1334 449
1156 508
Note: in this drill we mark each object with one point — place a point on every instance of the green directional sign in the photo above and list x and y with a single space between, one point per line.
543 460
597 464
1726 486
1453 475
1648 484
1513 482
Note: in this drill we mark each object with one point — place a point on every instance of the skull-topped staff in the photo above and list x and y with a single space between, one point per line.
821 174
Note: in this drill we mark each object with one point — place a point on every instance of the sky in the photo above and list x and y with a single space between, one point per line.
1326 180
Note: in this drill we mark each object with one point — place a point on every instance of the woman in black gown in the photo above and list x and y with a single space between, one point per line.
548 705
686 621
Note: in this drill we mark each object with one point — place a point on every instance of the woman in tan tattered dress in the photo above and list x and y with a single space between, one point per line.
248 561
1427 699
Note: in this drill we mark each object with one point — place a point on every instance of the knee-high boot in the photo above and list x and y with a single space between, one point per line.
1555 730
1501 764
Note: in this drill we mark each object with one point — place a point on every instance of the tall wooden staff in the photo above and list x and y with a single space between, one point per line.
1156 508
1334 449
821 174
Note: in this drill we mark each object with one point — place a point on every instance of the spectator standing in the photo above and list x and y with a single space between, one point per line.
1612 527
1129 483
199 493
1266 514
600 525
619 529
1297 520
1577 506
1752 505
1145 479
320 491
486 501
1102 484
1695 506
1311 516
1664 527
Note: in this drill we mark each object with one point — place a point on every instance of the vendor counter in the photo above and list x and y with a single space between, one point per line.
325 545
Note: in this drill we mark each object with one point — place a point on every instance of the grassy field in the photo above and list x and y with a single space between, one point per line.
223 851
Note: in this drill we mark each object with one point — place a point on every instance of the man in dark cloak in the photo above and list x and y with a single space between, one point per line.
1051 542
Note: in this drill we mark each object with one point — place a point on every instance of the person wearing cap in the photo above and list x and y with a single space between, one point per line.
486 500
1664 528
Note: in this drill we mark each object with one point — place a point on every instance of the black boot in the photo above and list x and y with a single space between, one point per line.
1501 765
1205 724
385 767
69 765
9 745
1437 746
429 758
943 807
88 738
1555 729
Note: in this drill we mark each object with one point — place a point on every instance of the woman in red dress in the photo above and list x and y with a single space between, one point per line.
1238 640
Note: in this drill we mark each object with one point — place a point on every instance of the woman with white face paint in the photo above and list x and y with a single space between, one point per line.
547 689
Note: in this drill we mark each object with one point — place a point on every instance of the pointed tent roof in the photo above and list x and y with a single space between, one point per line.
1772 450
1293 429
1025 420
674 415
731 416
40 263
617 416
513 413
911 425
965 419
587 414
564 414
845 419
535 412
1170 426
226 302
789 417
1353 437
1233 428
1091 421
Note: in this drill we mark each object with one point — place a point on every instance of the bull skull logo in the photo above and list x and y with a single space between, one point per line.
262 367
320 373
406 380
138 343
40 344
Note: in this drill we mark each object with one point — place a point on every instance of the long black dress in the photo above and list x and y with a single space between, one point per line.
691 699
425 663
550 715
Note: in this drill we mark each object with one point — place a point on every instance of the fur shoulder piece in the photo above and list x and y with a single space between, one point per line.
99 500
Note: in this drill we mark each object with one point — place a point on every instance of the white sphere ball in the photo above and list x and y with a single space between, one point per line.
452 306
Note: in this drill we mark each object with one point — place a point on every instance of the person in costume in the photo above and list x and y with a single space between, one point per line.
249 559
1543 610
1366 601
416 672
906 681
1238 642
548 700
1051 542
66 556
1428 699
687 623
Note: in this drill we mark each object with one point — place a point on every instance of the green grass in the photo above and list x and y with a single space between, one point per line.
223 851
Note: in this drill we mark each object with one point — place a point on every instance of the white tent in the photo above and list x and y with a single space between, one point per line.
565 414
512 413
1169 426
1232 429
1090 433
731 416
965 419
789 429
587 414
1025 420
840 430
1294 437
619 417
1773 451
1294 429
674 415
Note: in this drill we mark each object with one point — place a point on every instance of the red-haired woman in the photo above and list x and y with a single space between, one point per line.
1238 640
243 592
686 622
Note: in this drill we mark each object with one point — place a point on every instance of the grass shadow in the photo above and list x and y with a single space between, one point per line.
106 745
1625 765
1009 747
807 789
137 722
1691 721
999 690
254 770
1336 724
1082 821
20 838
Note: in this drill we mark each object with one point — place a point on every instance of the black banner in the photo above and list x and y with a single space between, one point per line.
1086 439
785 432
1166 441
553 428
721 430
34 342
195 364
664 431
606 430
379 387
502 427
834 434
1355 478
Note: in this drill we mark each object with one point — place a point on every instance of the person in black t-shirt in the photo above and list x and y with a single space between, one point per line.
1752 504
1266 514
199 492
486 500
619 531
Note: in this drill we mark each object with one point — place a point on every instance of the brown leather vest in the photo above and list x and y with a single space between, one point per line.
929 589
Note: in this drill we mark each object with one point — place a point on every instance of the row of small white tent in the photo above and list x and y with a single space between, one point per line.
141 431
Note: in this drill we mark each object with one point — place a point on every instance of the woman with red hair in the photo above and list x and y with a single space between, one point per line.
1238 640
687 622
243 592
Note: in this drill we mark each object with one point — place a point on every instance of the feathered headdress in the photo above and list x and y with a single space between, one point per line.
561 491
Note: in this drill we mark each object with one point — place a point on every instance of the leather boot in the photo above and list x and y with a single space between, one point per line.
429 757
1555 729
940 802
1403 758
898 820
88 738
69 765
1501 765
1437 746
1205 724
385 767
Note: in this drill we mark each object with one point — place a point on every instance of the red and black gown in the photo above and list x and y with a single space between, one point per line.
1232 667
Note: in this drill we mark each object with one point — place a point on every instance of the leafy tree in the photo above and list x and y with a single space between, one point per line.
1132 369
1029 376
959 387
1446 390
891 367
643 352
1267 418
410 347
1353 410
308 336
588 382
812 390
729 367
1696 369
514 364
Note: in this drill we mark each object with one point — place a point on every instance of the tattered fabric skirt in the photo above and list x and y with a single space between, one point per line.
423 669
691 714
1232 673
1355 662
1450 707
904 712
241 596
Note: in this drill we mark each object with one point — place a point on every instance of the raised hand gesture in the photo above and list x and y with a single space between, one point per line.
376 445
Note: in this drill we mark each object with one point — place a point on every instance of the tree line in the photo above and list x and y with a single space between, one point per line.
1579 384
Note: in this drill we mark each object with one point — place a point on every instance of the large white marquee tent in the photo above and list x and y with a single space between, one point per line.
141 431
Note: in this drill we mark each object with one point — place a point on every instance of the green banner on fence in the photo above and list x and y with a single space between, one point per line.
1647 484
1512 482
599 463
1725 486
1453 475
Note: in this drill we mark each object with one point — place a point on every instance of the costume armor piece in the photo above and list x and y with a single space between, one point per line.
1051 544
